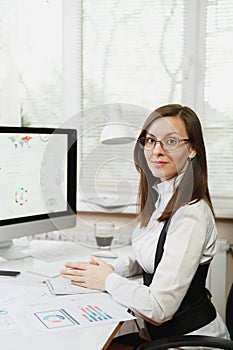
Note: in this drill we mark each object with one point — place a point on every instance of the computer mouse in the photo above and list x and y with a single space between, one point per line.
105 254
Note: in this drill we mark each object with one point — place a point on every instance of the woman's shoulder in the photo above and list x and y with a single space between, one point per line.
198 211
200 206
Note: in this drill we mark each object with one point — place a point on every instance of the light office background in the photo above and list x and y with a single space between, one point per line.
61 57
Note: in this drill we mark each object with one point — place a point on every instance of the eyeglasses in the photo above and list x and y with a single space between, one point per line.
168 143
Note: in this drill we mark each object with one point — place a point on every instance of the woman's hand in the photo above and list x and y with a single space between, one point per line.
91 274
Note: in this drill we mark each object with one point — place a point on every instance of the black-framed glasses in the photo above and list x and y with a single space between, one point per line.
168 143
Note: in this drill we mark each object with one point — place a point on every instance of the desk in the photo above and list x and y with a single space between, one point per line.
92 338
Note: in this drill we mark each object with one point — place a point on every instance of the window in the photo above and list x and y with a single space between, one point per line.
132 54
217 104
31 55
71 57
152 53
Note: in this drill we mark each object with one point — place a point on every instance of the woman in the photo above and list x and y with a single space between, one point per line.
175 239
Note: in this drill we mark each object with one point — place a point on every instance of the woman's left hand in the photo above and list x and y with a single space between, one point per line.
91 274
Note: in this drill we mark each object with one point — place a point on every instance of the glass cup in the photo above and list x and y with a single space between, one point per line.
104 234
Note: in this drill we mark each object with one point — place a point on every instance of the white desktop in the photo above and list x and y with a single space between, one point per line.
24 300
38 195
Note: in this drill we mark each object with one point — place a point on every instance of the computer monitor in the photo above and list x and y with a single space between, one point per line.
37 183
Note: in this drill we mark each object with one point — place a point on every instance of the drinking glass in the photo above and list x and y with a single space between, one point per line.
104 234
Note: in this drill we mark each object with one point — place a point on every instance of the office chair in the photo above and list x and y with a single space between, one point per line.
197 340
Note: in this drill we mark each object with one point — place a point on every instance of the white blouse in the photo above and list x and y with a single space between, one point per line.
191 240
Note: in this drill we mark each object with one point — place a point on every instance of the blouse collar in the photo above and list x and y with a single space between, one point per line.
165 190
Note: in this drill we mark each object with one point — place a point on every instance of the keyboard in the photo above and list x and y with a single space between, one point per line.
47 269
55 251
51 269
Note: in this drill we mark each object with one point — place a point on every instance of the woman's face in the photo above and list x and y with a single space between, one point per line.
163 163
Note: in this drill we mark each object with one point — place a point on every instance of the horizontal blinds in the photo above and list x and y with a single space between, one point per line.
219 154
40 35
132 54
104 167
9 101
132 51
31 48
218 105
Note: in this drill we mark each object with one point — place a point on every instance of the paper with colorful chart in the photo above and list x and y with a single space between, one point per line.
80 311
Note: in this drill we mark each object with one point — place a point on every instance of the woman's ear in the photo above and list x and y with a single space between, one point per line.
192 153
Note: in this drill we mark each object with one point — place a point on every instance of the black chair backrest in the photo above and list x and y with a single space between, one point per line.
229 312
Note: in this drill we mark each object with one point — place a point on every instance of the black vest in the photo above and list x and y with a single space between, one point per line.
196 309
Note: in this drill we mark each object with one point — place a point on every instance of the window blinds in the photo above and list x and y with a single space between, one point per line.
132 51
217 103
139 52
132 54
31 48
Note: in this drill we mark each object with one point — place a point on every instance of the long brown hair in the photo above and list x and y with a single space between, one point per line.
194 184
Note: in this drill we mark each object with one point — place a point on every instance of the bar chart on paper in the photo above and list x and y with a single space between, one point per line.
81 315
95 313
50 314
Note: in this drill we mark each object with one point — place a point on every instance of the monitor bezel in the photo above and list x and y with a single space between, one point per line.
71 173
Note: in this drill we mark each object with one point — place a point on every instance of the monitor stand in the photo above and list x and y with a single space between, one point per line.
10 251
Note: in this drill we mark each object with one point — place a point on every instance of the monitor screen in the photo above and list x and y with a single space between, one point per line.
37 181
